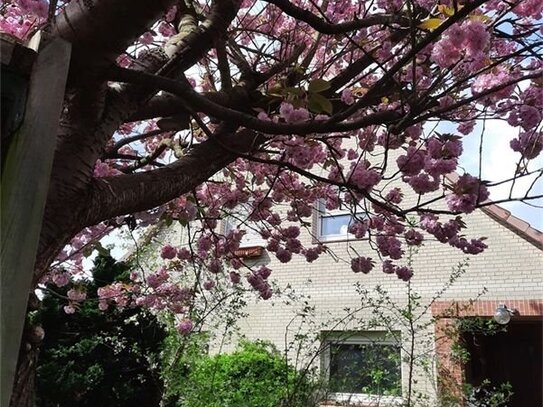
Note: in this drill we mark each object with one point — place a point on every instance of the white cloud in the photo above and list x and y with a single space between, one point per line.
499 163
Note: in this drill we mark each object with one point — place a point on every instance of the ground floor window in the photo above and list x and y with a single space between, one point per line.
367 364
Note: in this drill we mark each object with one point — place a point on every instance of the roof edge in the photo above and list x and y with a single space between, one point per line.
505 218
515 224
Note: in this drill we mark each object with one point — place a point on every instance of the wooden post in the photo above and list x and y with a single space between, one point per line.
24 185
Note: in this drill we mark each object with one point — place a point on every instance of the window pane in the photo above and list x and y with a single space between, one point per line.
335 225
239 219
365 368
229 224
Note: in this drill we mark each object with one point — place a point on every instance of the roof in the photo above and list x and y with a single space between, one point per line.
515 224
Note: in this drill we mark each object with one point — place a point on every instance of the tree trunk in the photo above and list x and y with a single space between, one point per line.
99 30
24 384
23 387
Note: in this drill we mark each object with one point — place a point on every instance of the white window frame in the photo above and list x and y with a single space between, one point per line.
251 238
360 338
321 213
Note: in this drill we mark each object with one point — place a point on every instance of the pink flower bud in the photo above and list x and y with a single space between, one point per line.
185 327
168 252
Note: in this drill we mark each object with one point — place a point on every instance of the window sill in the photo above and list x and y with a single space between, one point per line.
337 239
249 252
361 400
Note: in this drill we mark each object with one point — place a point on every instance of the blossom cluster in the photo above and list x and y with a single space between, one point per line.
458 77
423 167
468 40
21 17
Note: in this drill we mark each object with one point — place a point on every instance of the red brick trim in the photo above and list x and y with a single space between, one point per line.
517 225
450 371
459 309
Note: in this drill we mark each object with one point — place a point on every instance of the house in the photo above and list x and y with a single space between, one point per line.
404 337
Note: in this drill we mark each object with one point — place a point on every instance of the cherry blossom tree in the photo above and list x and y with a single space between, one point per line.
188 110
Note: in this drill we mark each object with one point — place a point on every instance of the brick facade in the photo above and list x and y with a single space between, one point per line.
509 271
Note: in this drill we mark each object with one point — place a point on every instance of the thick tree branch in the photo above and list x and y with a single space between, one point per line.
199 103
76 25
186 49
325 27
76 152
100 30
163 105
127 140
166 104
223 65
115 196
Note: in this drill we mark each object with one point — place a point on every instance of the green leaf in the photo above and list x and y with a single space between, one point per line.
87 251
449 11
101 249
294 91
297 103
167 219
319 104
318 85
430 24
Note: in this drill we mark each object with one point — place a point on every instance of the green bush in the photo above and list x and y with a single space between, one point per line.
98 358
255 375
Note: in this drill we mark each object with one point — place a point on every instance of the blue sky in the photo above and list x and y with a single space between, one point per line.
498 163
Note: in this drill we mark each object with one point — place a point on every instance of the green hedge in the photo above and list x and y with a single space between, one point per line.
255 375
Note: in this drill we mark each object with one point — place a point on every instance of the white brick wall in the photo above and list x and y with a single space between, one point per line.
511 268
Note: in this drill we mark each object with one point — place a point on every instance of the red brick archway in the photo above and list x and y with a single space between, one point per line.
449 368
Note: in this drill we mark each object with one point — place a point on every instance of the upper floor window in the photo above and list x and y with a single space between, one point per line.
333 224
238 219
365 366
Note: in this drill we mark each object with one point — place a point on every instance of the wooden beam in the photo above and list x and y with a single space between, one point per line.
24 184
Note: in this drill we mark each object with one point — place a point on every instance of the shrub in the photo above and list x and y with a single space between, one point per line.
255 375
98 358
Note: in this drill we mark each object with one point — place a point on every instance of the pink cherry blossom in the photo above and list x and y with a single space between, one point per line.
413 162
347 97
185 327
404 273
76 295
293 115
529 144
395 195
60 279
362 264
413 238
283 255
389 246
208 284
358 229
168 252
235 277
69 309
388 267
468 191
264 272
